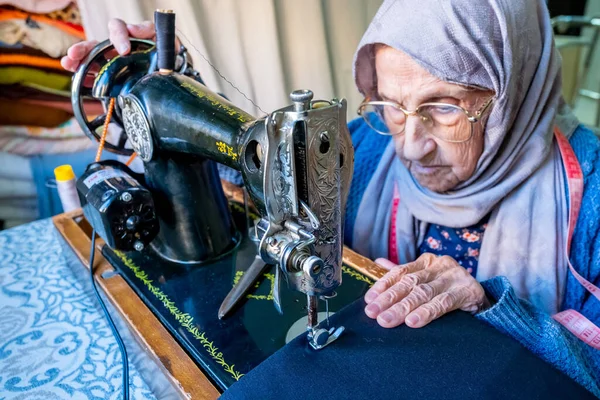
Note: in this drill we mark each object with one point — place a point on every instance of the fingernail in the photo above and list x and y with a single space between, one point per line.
385 263
372 309
369 297
387 317
413 319
122 48
131 26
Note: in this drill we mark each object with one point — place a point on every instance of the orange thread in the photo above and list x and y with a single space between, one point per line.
111 106
131 158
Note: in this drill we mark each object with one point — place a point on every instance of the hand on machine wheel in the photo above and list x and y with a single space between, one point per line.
103 71
119 34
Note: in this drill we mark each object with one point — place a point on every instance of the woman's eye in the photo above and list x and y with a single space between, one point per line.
441 114
393 113
444 109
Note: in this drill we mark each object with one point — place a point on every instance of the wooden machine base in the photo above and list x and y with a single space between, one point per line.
149 332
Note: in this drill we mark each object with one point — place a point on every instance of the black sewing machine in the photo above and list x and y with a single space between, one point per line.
207 273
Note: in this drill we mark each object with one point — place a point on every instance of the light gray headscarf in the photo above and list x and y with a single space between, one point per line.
506 46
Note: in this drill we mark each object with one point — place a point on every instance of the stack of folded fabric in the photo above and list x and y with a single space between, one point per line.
35 88
36 117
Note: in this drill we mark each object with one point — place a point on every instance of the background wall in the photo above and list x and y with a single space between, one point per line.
265 47
586 109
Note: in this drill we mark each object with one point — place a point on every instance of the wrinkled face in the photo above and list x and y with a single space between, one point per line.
437 165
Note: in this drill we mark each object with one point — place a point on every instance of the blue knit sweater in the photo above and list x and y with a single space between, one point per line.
516 317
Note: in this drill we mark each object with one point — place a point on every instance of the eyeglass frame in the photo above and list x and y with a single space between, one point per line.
471 117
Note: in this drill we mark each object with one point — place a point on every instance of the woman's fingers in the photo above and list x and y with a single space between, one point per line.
384 283
421 291
414 285
385 263
80 50
119 35
145 30
69 64
438 306
421 294
76 53
389 279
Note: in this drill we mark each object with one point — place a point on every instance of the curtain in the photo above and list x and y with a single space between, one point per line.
266 48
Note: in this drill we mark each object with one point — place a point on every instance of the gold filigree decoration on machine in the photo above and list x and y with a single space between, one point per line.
219 103
186 320
357 275
227 150
271 277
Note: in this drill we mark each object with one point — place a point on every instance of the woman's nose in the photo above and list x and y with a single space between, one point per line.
417 142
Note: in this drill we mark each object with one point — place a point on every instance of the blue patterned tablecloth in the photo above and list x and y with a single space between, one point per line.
54 340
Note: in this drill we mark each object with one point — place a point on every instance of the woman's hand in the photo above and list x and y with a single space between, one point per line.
119 34
421 291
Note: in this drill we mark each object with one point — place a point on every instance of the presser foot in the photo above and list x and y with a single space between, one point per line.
322 337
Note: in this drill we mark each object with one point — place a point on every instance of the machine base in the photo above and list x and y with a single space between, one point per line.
207 355
186 299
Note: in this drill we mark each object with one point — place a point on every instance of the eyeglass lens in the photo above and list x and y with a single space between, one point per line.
445 121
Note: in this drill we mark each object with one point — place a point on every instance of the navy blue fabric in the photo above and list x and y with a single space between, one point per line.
455 357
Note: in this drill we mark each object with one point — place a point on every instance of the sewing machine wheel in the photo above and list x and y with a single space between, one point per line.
96 78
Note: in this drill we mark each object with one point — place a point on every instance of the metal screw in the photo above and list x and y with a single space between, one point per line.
126 197
132 222
301 95
312 265
301 99
272 242
138 246
324 137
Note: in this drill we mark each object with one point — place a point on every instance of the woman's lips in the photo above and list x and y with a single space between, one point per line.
425 169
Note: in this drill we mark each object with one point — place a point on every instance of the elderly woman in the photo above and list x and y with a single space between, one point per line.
460 187
471 196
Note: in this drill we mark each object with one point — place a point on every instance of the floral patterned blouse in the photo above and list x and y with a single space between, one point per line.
462 244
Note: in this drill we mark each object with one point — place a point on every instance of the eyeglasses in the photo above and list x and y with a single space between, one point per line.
447 122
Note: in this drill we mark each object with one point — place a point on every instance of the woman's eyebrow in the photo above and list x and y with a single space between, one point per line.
458 93
385 97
